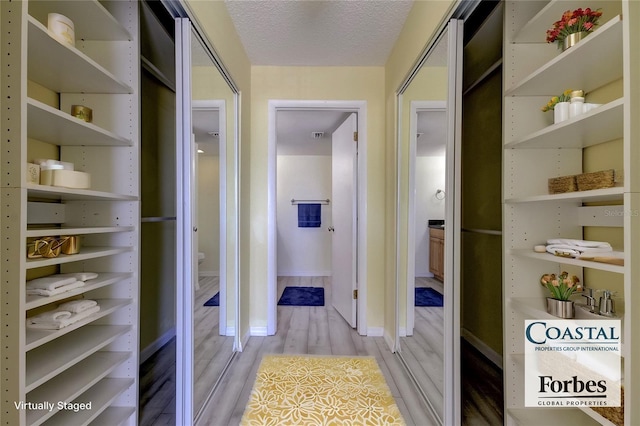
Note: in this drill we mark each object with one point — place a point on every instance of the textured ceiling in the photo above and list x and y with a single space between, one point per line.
294 131
318 33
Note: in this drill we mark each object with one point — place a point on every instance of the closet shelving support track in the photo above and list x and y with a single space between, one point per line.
605 66
93 361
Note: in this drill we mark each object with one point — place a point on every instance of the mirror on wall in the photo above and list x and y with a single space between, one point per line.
212 119
424 285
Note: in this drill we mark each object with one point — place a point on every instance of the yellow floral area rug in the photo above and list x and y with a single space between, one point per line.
320 390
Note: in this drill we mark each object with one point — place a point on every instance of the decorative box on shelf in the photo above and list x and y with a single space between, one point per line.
595 180
65 178
562 184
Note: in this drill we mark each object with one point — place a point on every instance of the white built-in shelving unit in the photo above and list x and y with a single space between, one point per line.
96 359
605 63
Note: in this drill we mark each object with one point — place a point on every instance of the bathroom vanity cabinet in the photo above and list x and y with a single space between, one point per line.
436 253
605 66
94 360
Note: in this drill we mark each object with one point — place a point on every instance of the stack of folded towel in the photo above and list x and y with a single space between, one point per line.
574 248
58 283
65 315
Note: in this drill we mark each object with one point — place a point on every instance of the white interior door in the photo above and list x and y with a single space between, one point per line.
344 170
185 216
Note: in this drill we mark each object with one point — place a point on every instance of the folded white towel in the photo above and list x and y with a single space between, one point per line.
574 248
581 243
57 325
59 290
49 316
50 283
81 276
77 306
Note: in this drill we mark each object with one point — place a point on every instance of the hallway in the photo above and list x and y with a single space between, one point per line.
313 330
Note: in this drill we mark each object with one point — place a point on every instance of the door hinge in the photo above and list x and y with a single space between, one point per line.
355 294
355 136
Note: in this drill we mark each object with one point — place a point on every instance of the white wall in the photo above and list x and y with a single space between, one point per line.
303 251
430 176
209 214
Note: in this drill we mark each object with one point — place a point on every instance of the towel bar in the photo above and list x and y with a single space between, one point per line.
294 201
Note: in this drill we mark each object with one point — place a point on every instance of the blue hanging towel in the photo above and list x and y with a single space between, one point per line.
308 215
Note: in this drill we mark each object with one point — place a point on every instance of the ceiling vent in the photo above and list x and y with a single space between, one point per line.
317 135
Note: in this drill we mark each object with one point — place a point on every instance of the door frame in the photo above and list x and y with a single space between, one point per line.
416 107
360 108
220 106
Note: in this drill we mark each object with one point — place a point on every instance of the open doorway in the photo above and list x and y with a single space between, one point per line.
427 212
302 173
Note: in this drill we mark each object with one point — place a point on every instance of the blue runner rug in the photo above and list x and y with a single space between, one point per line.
426 296
302 296
214 301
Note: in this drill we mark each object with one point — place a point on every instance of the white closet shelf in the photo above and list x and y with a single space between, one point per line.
101 396
550 416
37 337
104 279
91 21
85 254
535 30
47 232
113 416
54 126
558 75
72 383
599 125
529 253
606 194
63 68
47 361
68 194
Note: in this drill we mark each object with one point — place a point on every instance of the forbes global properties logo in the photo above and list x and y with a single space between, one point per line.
572 363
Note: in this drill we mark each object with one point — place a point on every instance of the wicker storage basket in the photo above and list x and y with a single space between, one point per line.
561 184
595 180
614 414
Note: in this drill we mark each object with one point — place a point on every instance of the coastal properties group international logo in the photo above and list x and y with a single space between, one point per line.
572 363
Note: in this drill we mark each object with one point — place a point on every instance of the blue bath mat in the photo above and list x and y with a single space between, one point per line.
214 301
426 296
302 296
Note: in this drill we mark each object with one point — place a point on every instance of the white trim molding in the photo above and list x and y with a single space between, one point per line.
258 331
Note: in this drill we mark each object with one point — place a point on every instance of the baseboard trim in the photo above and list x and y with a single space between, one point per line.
375 331
403 331
482 347
244 340
230 331
258 331
146 353
304 273
208 273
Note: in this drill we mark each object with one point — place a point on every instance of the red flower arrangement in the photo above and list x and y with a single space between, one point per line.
580 20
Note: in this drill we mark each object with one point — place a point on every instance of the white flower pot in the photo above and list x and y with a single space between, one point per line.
561 112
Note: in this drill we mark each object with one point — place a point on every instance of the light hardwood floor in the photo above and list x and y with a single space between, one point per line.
309 330
211 353
423 351
482 395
